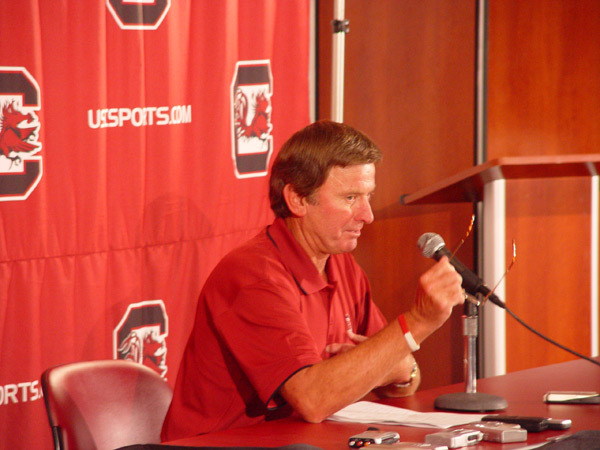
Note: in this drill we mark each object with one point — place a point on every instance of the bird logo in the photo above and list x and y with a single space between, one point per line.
141 335
21 165
18 134
251 109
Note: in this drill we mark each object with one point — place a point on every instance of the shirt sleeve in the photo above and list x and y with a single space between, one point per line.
268 336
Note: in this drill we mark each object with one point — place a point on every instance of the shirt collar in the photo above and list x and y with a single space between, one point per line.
294 258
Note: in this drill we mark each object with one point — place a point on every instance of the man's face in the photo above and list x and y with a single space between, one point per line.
339 209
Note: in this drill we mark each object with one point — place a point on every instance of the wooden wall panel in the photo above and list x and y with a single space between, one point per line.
549 285
543 98
543 77
410 69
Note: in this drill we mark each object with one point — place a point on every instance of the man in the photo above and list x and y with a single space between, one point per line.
286 321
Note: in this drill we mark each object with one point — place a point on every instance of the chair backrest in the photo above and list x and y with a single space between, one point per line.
104 404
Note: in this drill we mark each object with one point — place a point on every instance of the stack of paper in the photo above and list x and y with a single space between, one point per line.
369 412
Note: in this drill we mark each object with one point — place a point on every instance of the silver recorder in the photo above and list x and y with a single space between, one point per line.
461 437
500 432
408 446
372 437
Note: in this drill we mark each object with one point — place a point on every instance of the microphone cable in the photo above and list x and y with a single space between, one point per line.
534 331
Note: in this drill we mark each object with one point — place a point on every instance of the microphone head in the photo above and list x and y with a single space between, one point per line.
429 243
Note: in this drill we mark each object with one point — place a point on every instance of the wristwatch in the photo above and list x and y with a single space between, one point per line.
413 374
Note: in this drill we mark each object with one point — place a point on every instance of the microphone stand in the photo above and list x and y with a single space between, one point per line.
470 400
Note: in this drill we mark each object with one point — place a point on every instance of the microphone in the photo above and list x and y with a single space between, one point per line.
433 246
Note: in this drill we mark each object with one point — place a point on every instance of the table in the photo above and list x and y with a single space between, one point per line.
523 391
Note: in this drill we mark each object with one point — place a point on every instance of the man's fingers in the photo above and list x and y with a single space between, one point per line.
358 338
336 348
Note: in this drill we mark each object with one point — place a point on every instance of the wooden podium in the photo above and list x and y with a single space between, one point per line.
549 206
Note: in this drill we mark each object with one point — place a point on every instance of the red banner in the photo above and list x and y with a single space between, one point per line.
135 143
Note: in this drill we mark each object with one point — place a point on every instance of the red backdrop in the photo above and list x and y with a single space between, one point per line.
135 140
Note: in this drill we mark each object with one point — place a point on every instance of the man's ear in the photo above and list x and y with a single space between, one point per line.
295 203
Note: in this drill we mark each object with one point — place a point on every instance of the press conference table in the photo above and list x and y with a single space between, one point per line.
523 391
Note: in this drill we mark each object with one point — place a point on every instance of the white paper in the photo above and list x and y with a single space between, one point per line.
370 412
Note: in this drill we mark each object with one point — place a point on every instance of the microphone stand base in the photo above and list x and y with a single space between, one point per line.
476 401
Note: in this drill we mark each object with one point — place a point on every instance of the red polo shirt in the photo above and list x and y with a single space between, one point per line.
263 314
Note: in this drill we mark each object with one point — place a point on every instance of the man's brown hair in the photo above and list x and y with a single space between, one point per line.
306 158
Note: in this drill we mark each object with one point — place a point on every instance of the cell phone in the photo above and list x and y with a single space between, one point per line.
499 431
460 437
572 397
370 437
531 423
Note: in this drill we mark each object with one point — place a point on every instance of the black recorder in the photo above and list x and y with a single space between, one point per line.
532 424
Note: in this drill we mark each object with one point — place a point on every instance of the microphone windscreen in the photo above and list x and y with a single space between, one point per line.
429 243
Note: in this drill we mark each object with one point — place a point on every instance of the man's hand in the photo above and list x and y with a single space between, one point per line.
403 371
438 291
334 349
407 382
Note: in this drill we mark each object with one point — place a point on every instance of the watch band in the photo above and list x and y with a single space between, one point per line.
413 374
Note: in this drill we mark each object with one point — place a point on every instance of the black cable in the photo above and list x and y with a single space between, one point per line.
548 339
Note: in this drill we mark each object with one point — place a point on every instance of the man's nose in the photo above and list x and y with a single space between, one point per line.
365 212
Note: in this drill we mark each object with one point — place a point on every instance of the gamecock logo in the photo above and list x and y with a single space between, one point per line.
20 170
138 14
141 333
252 142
